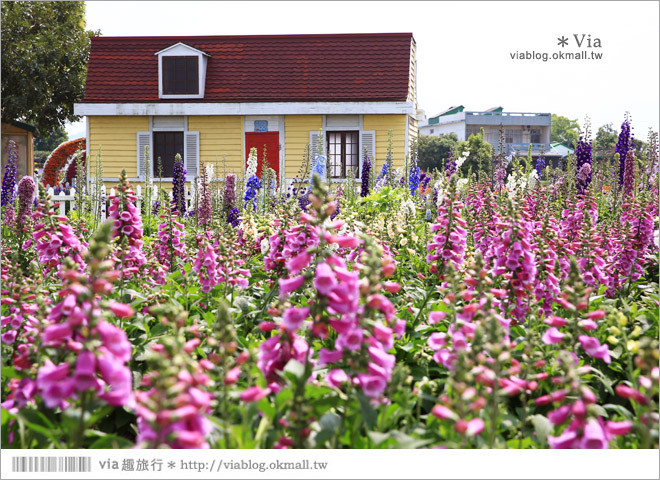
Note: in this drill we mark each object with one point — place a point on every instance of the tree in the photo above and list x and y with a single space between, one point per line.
480 156
434 151
605 142
51 142
564 131
45 50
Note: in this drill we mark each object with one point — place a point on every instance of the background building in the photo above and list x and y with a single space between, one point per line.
520 129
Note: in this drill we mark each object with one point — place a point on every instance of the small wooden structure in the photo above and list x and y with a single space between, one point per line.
23 134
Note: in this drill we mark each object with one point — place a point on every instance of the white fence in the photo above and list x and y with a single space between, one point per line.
67 201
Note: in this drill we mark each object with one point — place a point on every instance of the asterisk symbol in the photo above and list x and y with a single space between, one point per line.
563 41
171 464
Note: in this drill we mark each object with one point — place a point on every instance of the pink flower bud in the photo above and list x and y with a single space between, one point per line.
443 413
232 376
254 394
121 310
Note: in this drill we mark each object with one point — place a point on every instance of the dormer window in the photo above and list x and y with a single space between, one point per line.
181 72
180 75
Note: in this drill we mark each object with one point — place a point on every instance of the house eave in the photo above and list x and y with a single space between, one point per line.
244 108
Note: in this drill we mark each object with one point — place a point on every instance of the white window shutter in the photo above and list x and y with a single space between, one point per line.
192 154
143 140
313 147
368 141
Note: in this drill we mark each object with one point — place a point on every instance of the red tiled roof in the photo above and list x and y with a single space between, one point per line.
268 68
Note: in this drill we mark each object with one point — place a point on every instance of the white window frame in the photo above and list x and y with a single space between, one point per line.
345 122
182 50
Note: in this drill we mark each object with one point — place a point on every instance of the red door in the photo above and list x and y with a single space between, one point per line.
271 140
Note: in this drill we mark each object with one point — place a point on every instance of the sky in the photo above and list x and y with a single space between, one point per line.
468 53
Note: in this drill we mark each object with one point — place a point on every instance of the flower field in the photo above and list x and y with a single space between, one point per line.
515 306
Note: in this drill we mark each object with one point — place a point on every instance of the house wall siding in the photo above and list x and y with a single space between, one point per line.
221 141
117 138
222 136
296 138
382 124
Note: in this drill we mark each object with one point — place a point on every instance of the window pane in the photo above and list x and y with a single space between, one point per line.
166 146
343 153
180 75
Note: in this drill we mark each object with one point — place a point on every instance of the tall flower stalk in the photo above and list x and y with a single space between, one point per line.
26 194
366 173
623 145
178 184
205 212
9 177
629 176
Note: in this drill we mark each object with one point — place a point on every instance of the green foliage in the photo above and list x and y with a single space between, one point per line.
49 142
434 151
45 49
605 141
480 154
564 130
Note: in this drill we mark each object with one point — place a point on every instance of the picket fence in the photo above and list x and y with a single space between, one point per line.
67 201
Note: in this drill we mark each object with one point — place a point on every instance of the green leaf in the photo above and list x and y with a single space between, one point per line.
9 372
282 398
623 411
607 383
368 412
111 441
99 414
330 423
294 369
406 441
542 427
263 428
596 409
377 437
266 407
4 417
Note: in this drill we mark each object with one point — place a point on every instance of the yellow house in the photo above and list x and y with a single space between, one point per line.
214 98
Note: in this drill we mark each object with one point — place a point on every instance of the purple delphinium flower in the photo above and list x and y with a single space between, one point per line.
385 171
413 179
234 217
629 175
9 177
450 165
303 201
623 145
424 180
366 171
540 166
155 208
583 158
332 217
26 194
253 185
178 181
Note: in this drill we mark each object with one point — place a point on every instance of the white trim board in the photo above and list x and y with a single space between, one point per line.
265 108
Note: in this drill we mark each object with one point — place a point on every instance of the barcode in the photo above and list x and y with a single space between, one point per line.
51 464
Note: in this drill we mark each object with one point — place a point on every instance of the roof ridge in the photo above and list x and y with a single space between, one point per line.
286 35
